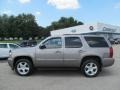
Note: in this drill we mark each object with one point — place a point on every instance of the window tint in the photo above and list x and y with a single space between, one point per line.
32 43
23 44
53 43
72 42
96 42
3 45
13 46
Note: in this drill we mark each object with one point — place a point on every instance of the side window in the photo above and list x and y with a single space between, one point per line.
24 44
13 46
73 42
3 46
53 43
96 41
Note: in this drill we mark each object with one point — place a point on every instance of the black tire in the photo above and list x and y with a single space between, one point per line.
86 63
29 65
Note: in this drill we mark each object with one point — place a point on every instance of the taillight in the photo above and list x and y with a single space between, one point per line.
111 52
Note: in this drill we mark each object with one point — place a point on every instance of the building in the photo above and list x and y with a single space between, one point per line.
109 31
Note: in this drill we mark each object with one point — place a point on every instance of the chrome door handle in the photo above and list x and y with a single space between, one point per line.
81 51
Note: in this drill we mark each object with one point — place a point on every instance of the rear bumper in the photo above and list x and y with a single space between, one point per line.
108 62
10 62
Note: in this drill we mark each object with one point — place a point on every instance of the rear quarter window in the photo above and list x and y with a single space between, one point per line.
96 41
3 46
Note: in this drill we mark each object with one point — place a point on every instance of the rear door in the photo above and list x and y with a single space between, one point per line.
72 50
4 50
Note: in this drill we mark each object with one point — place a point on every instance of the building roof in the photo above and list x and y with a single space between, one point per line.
88 28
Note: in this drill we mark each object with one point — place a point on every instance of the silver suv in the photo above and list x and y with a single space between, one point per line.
87 52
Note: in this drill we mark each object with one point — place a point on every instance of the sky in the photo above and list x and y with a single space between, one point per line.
47 11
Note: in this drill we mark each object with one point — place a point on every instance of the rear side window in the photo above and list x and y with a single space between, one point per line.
13 46
72 42
3 46
24 44
96 41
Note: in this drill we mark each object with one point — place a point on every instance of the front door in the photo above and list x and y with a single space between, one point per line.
52 53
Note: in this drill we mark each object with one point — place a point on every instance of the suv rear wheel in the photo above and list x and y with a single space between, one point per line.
90 68
23 67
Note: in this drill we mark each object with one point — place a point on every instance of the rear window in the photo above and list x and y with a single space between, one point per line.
96 41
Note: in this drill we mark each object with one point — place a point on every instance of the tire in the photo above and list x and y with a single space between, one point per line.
23 67
90 68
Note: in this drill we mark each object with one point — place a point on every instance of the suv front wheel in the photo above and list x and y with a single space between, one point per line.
90 68
23 67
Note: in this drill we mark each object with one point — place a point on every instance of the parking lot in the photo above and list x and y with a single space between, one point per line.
109 78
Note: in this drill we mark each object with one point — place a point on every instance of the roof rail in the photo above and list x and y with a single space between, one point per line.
72 34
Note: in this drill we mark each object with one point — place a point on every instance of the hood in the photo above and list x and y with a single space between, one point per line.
24 51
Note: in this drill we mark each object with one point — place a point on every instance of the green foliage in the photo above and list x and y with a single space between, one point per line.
64 22
25 25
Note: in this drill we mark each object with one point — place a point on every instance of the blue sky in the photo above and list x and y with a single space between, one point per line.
46 11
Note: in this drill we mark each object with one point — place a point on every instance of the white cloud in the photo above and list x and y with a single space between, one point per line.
117 5
24 1
6 12
37 16
38 13
64 4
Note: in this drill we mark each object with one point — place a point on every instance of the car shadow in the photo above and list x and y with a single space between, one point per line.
3 60
68 73
57 73
106 72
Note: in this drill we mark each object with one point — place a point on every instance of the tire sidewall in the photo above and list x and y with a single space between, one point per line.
30 67
90 61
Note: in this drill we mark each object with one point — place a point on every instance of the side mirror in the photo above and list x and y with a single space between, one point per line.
42 47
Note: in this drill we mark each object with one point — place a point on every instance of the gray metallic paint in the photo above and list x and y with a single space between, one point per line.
62 57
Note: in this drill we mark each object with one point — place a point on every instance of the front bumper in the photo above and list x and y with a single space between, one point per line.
108 62
10 62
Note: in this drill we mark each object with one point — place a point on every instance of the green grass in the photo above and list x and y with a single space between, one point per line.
14 41
9 41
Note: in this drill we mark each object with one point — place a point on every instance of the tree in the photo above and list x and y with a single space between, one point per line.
64 22
23 25
3 25
27 26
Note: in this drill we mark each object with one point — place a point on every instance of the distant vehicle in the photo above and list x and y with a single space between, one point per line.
117 41
112 41
5 48
28 43
89 53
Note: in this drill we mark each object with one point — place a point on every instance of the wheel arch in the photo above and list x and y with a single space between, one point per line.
22 57
98 59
